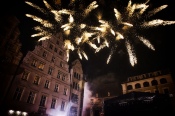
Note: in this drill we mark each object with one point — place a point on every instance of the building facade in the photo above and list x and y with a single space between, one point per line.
43 88
159 82
153 82
77 88
10 52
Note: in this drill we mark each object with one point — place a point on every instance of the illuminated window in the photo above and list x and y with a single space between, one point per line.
34 62
63 103
41 66
43 100
25 75
31 97
53 103
56 89
18 93
36 80
47 83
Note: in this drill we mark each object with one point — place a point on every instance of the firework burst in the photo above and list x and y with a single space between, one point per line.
126 27
72 22
80 28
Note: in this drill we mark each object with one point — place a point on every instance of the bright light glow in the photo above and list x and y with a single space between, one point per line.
86 100
24 113
18 112
79 30
11 111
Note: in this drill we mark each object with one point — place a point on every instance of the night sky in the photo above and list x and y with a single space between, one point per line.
162 37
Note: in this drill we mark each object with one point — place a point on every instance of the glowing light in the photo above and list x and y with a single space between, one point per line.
79 30
11 111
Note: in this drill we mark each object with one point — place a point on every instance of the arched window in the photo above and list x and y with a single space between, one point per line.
137 85
163 81
154 82
129 87
146 84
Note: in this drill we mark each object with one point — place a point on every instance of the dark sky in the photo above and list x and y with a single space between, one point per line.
162 38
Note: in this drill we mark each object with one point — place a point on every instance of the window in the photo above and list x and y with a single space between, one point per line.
51 46
25 75
41 66
65 91
43 100
36 80
47 84
73 111
146 84
63 105
64 77
55 50
58 75
34 62
60 53
18 93
129 87
79 77
53 103
53 59
61 64
56 88
50 71
44 54
74 98
31 97
137 86
75 74
154 82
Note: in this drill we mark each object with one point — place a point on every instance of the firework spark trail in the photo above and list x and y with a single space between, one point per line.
110 34
146 42
132 20
36 7
132 56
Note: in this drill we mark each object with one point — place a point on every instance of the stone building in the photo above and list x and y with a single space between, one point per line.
159 82
10 52
43 87
153 82
77 88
